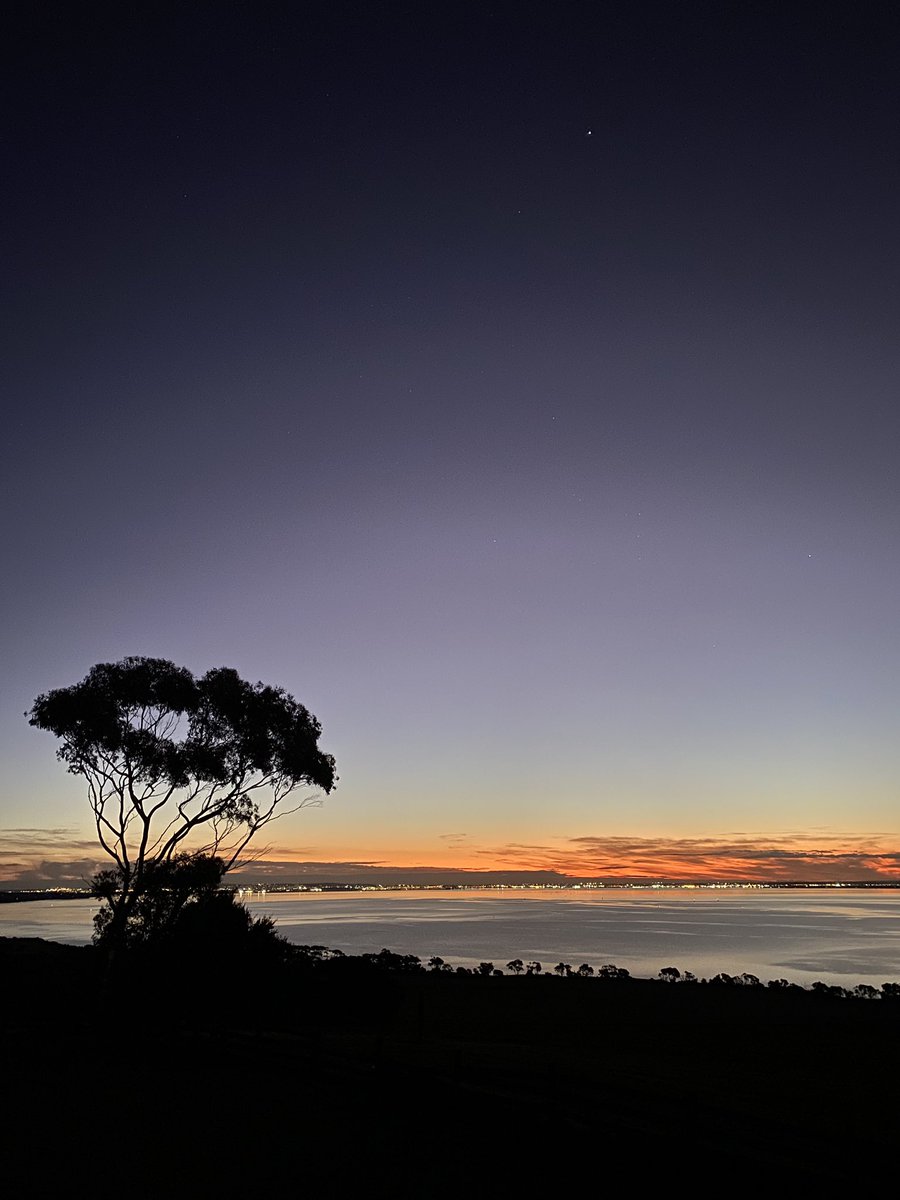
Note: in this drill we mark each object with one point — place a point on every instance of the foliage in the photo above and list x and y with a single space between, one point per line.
182 916
865 991
828 989
611 971
166 887
387 960
216 929
317 954
177 764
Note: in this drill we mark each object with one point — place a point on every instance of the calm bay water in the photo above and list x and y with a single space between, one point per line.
836 935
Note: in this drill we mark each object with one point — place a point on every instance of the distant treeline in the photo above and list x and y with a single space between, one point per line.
323 958
65 894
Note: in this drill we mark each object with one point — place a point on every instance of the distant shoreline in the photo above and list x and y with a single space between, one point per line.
13 895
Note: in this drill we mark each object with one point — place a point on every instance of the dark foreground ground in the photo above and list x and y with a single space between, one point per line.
426 1085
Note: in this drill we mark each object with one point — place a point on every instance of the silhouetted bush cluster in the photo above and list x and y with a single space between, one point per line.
387 962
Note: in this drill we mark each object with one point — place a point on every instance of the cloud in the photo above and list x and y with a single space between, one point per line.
287 874
49 874
39 858
36 858
26 841
819 857
455 841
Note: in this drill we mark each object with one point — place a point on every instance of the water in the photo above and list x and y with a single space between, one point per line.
839 936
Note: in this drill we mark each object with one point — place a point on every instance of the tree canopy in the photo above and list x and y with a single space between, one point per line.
175 763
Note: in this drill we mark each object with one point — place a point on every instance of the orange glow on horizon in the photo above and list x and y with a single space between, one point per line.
741 858
754 858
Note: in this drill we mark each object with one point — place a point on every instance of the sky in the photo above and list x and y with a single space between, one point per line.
515 384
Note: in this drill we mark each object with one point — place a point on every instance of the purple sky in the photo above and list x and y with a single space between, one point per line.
515 384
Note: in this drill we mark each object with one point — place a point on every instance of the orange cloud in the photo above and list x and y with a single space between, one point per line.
45 858
756 858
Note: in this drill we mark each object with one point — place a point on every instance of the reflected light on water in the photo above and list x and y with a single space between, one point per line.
844 937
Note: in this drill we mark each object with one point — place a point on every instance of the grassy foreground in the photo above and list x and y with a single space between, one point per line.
222 1083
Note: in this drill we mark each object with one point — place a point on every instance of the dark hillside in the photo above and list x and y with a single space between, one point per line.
409 1084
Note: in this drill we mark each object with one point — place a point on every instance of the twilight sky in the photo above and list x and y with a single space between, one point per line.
515 384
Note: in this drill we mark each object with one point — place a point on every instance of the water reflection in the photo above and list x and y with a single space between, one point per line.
844 938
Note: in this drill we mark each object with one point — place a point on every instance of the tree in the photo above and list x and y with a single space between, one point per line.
828 989
388 960
167 888
516 966
317 954
179 765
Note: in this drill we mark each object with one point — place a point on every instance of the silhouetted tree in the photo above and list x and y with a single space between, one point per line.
865 991
387 960
516 966
828 989
611 971
175 764
166 887
485 968
438 964
585 971
317 954
184 926
563 968
785 986
670 974
533 968
216 928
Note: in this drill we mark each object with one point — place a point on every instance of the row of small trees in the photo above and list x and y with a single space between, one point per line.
862 991
518 966
387 960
